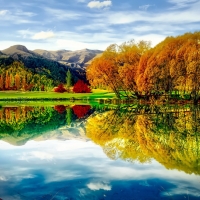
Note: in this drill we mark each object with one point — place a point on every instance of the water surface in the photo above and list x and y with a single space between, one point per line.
86 152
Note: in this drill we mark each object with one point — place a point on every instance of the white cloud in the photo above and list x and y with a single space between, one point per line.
182 3
99 4
144 7
190 15
43 35
3 12
64 15
99 186
26 14
16 17
73 44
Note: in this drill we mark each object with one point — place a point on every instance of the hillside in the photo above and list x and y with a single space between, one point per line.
40 64
74 58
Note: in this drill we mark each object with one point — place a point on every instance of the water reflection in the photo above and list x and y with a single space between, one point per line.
55 159
171 137
21 124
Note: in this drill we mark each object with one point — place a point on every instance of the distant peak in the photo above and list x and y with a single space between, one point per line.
63 50
20 47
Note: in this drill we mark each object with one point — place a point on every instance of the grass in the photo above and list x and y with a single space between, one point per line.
19 95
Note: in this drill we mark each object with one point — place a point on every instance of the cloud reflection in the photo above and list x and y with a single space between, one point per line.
99 186
80 170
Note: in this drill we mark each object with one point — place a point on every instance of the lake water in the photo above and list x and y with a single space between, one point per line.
100 152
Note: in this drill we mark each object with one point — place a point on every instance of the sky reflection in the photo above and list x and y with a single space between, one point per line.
80 170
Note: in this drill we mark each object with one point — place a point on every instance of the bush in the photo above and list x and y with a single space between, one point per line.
60 88
81 87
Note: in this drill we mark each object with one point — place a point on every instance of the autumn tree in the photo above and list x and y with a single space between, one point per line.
172 65
128 58
17 81
1 82
16 76
117 67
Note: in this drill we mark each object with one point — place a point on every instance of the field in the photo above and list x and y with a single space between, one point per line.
19 95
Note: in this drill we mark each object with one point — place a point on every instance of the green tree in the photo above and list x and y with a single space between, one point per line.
69 79
69 116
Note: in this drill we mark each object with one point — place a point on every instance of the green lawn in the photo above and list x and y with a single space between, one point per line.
18 95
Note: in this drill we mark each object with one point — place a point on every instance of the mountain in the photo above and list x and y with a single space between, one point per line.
40 64
79 57
5 59
18 49
90 61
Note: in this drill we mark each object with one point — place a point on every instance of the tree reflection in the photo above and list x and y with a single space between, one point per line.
170 135
20 124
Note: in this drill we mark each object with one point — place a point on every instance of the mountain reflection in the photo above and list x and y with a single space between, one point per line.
170 135
21 124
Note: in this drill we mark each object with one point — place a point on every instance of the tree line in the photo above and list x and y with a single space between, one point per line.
17 77
134 68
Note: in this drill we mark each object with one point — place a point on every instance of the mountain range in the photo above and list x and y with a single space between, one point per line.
57 62
80 57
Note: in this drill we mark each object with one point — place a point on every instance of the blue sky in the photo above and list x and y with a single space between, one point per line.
78 24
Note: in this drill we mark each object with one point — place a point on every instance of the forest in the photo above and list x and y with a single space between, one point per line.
17 77
135 70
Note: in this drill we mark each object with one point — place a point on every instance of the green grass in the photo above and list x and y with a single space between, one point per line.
18 95
15 103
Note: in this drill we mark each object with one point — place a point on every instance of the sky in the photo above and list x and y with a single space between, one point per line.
93 24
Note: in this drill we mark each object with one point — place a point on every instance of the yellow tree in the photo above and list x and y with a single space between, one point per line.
17 81
104 72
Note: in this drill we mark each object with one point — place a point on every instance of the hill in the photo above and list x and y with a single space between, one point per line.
40 64
74 58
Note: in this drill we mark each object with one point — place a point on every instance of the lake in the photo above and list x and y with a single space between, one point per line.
132 152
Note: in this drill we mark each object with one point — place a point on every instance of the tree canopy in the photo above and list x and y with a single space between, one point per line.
135 67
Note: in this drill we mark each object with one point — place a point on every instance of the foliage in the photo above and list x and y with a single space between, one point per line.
60 88
20 124
81 87
172 138
135 68
117 67
17 77
81 110
69 79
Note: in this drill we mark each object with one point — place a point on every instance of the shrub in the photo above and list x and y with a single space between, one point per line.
81 87
60 88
